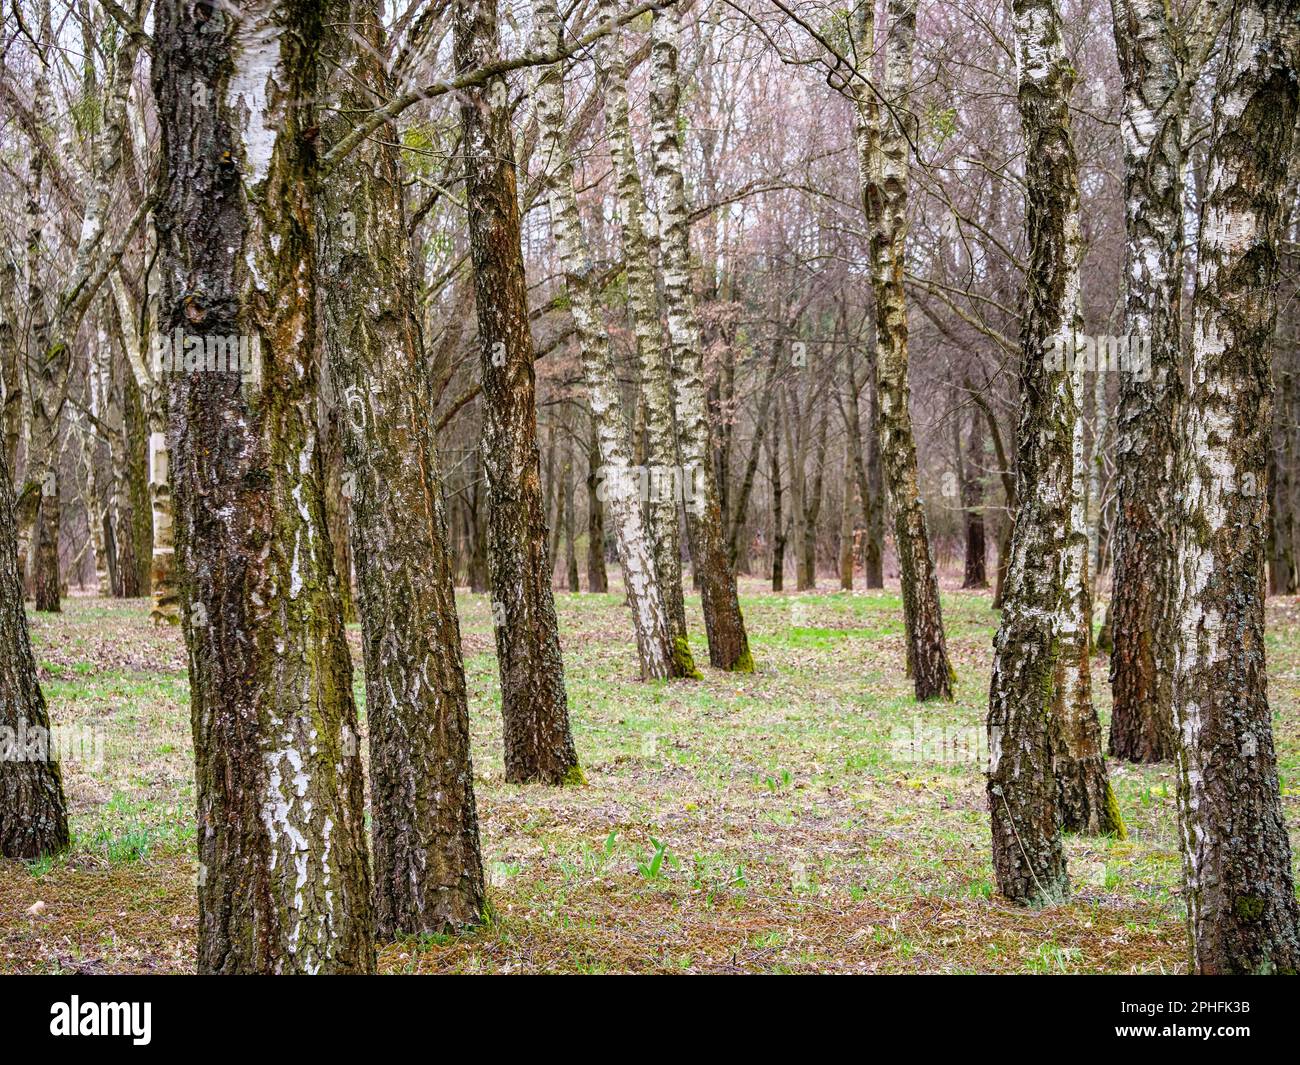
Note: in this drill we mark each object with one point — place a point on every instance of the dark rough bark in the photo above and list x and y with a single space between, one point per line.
46 575
284 884
1028 858
538 743
846 522
137 521
711 564
778 519
1242 913
1154 115
883 154
33 813
338 501
806 575
975 574
597 576
867 472
480 581
424 823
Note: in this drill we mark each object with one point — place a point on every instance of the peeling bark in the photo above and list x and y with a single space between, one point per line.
33 812
883 151
723 622
428 871
1028 858
1156 101
284 884
1242 913
623 500
534 706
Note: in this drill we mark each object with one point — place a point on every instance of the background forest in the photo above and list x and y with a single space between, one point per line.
601 487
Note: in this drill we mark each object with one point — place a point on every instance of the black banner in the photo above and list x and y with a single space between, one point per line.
143 1015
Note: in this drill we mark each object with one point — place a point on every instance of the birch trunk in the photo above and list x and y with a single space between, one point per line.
1242 913
658 656
883 149
1156 100
1084 797
284 884
33 812
162 569
534 706
724 625
846 519
428 871
597 577
663 518
975 574
1028 858
778 519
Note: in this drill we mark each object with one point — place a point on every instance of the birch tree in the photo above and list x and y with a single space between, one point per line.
658 656
1159 60
1028 858
883 151
33 811
151 387
538 744
1086 801
284 882
1242 913
662 513
424 823
723 622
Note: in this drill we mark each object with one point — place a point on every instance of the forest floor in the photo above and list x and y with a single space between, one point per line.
779 822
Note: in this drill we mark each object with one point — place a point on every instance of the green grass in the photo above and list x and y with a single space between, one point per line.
765 822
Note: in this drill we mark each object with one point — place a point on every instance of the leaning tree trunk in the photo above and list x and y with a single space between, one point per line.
1242 914
622 489
661 514
284 884
538 743
723 622
1156 99
883 152
1028 858
424 823
33 813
